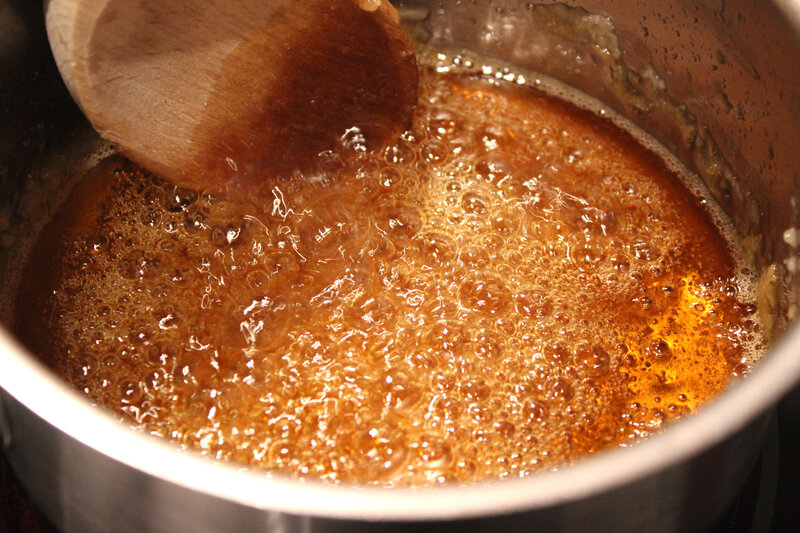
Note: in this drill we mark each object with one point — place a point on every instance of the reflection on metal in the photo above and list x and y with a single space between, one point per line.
5 426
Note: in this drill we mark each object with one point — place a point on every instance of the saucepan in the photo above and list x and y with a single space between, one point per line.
716 82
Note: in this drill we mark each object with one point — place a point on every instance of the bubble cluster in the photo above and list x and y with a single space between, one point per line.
512 285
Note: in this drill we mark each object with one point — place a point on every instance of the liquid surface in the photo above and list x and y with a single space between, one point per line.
513 285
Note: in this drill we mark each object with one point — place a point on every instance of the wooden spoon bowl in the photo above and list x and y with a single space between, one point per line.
215 95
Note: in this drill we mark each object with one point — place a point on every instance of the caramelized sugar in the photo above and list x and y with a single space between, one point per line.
513 285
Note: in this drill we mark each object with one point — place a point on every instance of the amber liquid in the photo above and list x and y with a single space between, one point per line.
511 286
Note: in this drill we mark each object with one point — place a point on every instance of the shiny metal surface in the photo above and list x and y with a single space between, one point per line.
5 426
717 82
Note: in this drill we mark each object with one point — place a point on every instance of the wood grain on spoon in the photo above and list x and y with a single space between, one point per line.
213 94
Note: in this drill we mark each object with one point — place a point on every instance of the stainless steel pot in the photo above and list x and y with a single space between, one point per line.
716 82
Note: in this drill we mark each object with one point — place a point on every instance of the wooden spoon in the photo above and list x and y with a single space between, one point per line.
216 94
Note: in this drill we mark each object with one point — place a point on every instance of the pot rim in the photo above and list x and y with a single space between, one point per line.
35 386
41 391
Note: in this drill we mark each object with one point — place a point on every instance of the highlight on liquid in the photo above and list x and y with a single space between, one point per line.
513 285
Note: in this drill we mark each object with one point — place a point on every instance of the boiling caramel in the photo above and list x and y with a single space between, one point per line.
514 284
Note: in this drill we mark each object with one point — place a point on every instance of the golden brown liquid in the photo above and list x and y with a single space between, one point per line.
513 285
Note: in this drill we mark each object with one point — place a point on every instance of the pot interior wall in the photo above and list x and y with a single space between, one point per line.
41 133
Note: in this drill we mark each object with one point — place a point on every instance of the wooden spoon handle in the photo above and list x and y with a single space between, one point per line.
210 92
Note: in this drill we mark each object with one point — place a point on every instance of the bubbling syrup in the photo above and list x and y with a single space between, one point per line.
511 286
